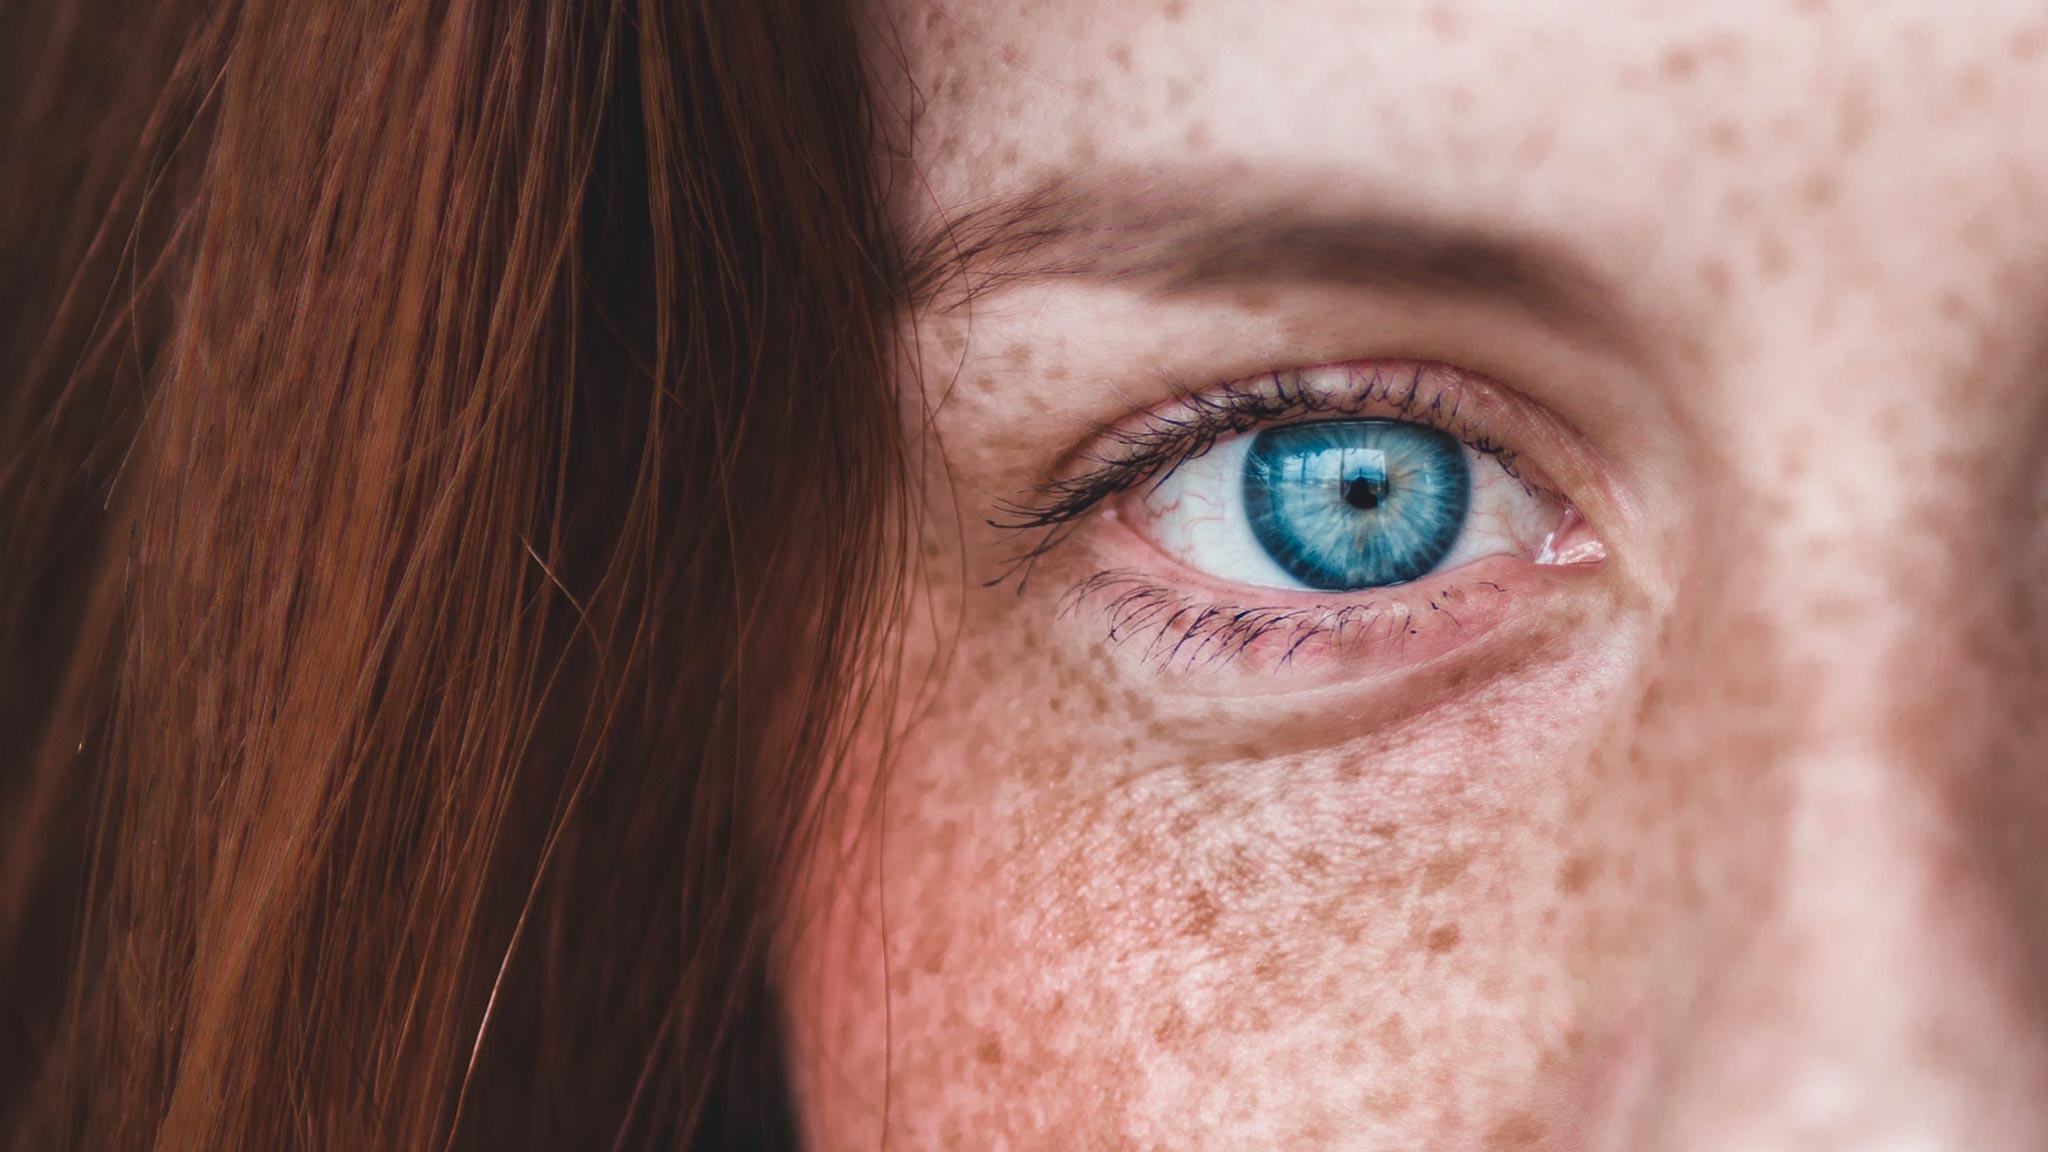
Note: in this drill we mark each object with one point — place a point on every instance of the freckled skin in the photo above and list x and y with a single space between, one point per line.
1748 856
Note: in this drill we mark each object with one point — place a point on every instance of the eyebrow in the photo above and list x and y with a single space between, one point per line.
1173 239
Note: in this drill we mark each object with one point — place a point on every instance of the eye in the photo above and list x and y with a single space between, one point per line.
1359 515
1342 506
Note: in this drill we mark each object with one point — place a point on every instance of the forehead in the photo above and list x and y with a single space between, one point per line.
1618 125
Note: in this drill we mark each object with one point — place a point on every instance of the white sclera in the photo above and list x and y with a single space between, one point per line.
1197 516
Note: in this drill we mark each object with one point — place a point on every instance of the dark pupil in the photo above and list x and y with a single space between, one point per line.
1365 492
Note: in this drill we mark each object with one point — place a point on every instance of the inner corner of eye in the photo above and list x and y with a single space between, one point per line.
1571 541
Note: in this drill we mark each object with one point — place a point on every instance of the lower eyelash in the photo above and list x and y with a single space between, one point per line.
1174 628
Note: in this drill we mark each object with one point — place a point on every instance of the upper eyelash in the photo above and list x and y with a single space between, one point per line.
1153 450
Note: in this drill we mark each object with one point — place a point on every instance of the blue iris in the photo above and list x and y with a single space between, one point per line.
1347 504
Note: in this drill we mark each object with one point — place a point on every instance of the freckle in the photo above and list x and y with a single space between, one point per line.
1680 63
1725 136
1201 915
1771 257
1444 869
1446 24
1018 355
1174 1023
1012 56
1139 705
1796 466
1534 148
1444 938
1719 279
1575 875
1818 190
1240 870
1517 1131
1385 831
1175 9
1120 55
1384 1100
1197 138
1179 89
990 1051
2028 44
1974 86
1393 1037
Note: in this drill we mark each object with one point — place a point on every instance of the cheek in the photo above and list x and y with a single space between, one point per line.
1059 926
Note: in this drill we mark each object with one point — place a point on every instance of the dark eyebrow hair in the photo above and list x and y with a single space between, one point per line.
1172 239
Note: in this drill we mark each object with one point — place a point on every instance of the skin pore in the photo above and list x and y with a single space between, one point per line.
1724 838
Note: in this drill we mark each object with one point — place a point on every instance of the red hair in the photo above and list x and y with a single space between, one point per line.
448 467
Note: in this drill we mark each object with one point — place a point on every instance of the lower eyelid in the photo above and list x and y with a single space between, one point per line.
1212 638
1209 643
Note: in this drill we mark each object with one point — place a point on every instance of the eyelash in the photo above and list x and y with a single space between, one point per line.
1165 440
1175 625
1172 626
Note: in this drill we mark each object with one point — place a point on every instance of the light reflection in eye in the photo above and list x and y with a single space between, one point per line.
1349 504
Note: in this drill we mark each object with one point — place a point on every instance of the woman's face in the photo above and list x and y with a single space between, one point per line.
1616 721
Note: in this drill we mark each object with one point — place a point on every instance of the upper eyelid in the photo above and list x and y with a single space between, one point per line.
1220 410
1167 437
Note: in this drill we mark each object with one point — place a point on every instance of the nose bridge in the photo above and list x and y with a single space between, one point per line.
1862 978
1854 515
1864 981
1876 1001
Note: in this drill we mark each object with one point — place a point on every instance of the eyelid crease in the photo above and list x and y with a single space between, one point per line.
1191 424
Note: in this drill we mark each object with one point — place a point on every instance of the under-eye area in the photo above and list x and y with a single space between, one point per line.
1356 517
